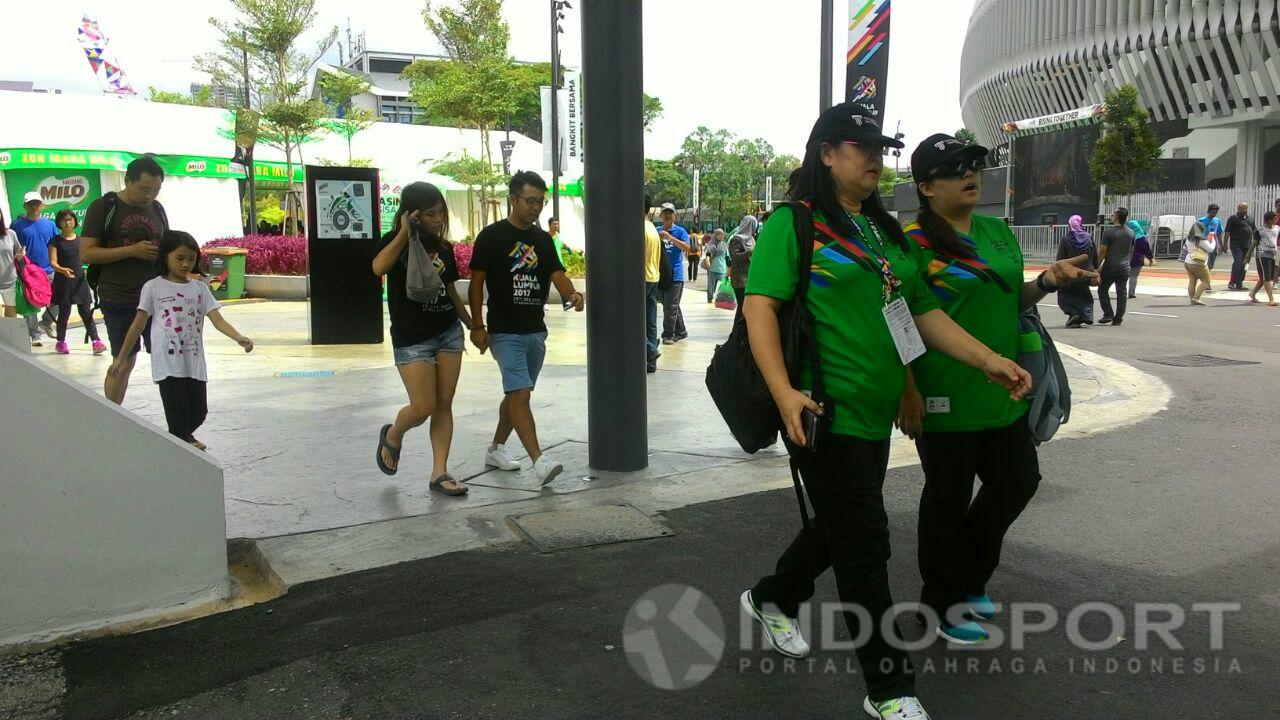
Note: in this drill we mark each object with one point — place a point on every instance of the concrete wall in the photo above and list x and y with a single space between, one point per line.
103 518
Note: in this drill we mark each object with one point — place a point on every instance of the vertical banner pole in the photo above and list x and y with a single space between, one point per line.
826 46
867 62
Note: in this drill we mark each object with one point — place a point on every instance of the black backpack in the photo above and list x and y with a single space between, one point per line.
111 203
666 274
734 381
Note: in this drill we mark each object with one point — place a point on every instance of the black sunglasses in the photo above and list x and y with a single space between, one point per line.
870 148
958 168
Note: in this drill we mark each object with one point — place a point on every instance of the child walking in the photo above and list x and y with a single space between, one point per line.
177 306
69 284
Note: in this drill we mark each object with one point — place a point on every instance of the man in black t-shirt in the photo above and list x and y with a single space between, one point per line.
1113 256
1240 232
125 246
517 263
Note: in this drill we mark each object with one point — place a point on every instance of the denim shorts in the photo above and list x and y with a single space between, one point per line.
519 358
449 341
118 317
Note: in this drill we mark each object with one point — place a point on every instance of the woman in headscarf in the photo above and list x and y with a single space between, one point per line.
715 261
1076 300
741 246
1142 255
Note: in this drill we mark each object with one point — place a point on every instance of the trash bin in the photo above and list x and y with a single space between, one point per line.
226 271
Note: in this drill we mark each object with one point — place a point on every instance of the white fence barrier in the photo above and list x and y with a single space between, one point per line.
1195 202
1040 242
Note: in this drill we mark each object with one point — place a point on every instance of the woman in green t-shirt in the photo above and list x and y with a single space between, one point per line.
864 276
963 425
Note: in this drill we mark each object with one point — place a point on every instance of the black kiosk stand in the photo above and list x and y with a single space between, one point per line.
342 232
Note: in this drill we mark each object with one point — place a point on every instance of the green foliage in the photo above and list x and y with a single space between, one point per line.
665 183
471 171
966 136
338 89
652 111
1128 155
575 265
202 98
733 171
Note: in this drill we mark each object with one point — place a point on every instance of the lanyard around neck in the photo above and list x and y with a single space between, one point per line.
879 251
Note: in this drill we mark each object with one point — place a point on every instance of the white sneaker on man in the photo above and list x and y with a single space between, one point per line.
500 457
547 469
903 708
783 633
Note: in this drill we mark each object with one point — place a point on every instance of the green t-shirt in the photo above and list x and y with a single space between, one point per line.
982 295
861 368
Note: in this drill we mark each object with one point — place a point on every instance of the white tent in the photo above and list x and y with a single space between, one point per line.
209 207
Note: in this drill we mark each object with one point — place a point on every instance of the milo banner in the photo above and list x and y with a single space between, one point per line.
61 189
867 63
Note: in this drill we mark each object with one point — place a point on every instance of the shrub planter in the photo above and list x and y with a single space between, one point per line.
276 287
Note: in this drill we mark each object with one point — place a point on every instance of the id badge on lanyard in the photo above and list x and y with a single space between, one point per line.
897 315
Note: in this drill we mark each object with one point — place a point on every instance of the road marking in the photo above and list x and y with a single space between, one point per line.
1136 312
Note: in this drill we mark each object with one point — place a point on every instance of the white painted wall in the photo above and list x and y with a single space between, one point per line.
103 519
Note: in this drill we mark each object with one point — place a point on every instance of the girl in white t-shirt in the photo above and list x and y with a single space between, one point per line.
1264 248
176 305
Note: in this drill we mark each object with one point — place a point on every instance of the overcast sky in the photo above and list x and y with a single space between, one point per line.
750 66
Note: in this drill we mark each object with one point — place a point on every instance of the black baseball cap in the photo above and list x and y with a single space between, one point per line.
940 150
850 121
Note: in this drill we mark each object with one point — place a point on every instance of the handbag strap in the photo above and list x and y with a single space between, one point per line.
802 216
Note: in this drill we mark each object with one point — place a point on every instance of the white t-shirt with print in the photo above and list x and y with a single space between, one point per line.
177 313
1267 240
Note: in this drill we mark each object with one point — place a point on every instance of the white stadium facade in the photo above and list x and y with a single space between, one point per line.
1208 71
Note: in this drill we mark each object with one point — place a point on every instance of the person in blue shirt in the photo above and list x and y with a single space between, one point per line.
35 233
675 243
1213 224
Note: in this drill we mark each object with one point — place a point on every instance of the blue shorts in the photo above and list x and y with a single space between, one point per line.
118 317
519 358
449 341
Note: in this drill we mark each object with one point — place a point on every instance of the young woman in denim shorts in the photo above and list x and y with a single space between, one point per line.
427 337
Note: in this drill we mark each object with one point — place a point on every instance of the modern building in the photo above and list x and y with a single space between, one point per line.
25 86
1207 71
223 95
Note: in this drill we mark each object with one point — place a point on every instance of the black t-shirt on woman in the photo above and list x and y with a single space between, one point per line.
518 265
414 322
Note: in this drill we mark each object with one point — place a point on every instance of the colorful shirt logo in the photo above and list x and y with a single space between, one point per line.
524 257
947 275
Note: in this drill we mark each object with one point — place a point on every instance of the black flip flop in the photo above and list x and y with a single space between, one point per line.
394 452
458 488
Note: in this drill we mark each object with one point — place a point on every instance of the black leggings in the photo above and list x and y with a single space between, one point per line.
186 405
961 536
86 317
850 535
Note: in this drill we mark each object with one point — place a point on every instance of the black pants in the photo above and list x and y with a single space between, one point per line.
960 536
741 295
672 316
1121 284
850 534
186 405
693 268
86 317
1239 268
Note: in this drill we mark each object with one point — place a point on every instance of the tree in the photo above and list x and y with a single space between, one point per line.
269 31
1128 155
478 88
202 98
652 111
337 89
966 136
663 182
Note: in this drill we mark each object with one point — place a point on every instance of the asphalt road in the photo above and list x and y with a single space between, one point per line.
1179 510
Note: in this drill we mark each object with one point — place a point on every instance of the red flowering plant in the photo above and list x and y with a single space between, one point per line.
269 254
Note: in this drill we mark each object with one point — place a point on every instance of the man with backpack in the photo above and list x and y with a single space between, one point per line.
122 234
35 232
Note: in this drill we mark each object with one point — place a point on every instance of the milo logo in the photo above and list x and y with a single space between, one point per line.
70 190
196 166
5 158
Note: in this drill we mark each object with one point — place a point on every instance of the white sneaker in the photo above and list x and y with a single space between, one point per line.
500 457
783 633
903 708
547 469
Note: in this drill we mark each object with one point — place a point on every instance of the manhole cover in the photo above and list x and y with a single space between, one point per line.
584 527
1197 361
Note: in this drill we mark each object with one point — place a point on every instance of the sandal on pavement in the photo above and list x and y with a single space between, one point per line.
394 452
458 488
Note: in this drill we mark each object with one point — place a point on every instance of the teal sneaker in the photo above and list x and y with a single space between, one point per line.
970 633
903 708
984 607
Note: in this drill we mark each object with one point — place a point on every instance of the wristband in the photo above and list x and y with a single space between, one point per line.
1042 286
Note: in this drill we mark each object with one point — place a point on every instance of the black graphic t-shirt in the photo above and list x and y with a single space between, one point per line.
413 322
122 280
518 265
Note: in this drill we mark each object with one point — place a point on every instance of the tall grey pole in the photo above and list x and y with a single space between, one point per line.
555 109
252 182
617 413
826 47
1008 182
